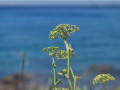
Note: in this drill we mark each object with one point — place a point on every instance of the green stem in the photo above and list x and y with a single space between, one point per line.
72 72
75 80
66 44
90 86
69 81
75 83
68 63
104 86
68 58
54 71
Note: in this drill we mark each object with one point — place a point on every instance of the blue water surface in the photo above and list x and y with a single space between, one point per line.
26 29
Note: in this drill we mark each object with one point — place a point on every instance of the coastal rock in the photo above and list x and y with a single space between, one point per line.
7 87
17 78
94 70
101 69
16 82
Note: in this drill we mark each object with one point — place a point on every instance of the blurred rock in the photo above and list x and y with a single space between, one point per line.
6 87
16 82
17 78
101 69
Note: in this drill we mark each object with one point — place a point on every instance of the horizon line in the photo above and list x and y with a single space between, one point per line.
60 3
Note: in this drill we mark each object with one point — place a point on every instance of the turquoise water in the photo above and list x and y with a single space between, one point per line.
26 29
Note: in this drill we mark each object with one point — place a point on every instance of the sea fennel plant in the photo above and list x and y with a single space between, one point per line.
63 31
103 78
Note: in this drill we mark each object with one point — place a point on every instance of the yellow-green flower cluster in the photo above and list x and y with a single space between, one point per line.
102 78
51 50
62 54
63 31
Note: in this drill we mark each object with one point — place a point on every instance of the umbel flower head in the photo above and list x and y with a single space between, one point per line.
63 54
102 78
63 31
51 50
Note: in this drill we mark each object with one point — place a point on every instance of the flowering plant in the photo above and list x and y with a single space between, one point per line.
103 78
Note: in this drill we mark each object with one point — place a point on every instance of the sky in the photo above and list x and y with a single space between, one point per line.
58 2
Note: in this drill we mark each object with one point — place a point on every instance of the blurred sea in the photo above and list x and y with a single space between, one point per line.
26 29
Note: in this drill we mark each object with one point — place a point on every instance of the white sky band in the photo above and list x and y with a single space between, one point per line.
59 2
